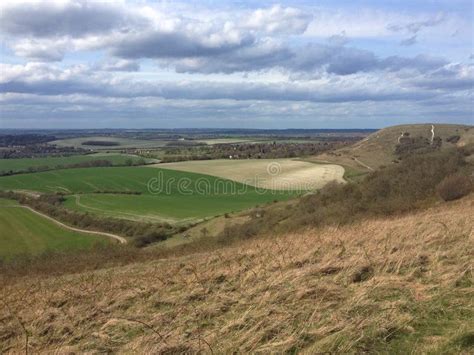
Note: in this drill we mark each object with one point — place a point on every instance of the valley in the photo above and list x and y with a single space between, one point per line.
340 238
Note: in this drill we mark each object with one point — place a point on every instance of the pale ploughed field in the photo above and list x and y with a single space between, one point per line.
275 174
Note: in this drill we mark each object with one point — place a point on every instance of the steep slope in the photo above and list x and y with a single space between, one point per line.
380 147
395 284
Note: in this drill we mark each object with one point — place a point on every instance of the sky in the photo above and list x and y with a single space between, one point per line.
235 64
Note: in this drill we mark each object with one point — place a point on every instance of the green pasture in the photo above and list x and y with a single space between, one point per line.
165 195
23 232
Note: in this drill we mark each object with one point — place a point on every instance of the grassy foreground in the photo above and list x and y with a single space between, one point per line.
24 232
387 285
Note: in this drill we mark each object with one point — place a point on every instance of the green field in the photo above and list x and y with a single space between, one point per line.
121 143
175 195
23 164
24 232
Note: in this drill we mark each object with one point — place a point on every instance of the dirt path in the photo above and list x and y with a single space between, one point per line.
118 238
363 164
361 142
432 133
401 136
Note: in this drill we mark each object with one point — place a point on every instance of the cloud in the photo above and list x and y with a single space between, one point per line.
170 59
40 80
416 26
338 39
119 65
61 18
159 44
410 41
263 55
420 63
247 41
278 19
43 51
452 78
313 59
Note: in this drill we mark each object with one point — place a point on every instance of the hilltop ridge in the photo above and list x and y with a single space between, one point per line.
387 145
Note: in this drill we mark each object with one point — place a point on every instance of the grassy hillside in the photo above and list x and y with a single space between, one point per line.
380 147
24 232
144 194
395 285
279 174
24 164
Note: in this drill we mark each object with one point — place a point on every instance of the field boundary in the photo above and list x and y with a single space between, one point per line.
77 201
118 238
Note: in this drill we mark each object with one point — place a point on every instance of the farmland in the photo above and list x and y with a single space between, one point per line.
141 193
115 142
26 164
213 141
277 174
24 232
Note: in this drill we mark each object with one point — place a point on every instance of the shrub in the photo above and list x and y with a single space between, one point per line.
149 238
453 139
454 187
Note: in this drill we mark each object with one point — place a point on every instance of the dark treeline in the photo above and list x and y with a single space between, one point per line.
270 150
101 143
11 140
39 151
32 145
97 163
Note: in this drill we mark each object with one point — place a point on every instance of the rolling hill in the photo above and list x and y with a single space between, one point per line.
379 148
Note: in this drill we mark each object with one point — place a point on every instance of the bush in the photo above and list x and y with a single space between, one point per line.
454 187
453 139
149 238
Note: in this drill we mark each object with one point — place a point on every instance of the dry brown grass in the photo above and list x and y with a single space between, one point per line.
379 148
384 285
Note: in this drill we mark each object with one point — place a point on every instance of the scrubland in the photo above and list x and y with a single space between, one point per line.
381 285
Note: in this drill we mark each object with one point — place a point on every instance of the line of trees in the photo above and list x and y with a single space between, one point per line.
86 164
270 150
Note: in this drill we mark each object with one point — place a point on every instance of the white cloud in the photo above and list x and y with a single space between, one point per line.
117 57
278 19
